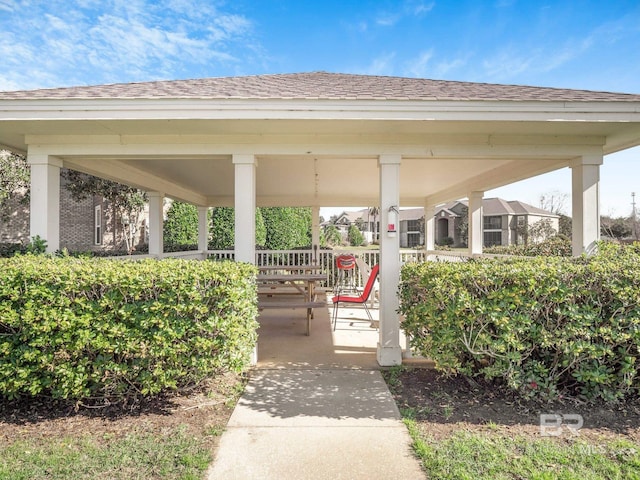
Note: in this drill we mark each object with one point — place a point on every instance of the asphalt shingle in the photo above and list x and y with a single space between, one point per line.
322 85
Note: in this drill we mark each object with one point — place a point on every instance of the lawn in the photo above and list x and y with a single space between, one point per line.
173 437
463 429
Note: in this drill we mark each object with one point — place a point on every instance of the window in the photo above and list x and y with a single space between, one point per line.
413 240
493 223
97 224
492 238
413 225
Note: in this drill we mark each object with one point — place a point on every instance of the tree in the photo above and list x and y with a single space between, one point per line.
554 201
14 177
287 227
540 231
374 212
355 236
181 225
565 225
223 228
126 202
617 228
332 235
462 226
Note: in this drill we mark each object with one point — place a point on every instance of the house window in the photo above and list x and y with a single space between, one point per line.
493 223
97 224
413 240
492 238
413 225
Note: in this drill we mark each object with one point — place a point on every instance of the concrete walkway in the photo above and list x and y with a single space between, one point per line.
315 407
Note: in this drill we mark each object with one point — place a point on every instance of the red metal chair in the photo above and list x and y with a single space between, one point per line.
361 299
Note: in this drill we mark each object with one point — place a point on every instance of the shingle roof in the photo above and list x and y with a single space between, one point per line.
499 206
322 85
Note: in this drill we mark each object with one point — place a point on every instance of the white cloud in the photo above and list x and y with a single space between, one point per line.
419 67
91 41
8 5
382 65
387 19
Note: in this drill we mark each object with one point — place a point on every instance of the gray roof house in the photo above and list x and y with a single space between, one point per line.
505 222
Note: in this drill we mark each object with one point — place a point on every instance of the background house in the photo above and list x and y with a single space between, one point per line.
504 223
86 225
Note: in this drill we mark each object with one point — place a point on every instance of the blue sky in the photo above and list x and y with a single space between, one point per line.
571 44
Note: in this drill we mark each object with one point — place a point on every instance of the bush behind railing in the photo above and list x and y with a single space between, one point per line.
546 327
102 330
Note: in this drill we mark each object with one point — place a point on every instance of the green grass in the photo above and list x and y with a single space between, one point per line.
490 455
172 456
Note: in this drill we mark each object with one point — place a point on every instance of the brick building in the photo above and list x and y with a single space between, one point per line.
85 225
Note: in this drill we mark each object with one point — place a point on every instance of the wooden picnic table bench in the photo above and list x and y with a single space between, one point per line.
299 287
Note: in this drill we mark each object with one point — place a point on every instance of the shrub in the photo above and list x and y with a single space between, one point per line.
102 329
181 225
544 326
355 236
556 246
10 249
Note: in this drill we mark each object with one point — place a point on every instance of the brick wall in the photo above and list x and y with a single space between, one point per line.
76 223
14 228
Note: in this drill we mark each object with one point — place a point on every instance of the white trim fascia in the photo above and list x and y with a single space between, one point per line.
205 108
360 150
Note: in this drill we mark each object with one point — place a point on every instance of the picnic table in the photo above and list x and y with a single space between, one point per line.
290 290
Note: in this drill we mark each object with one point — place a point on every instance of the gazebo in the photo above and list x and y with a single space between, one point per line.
319 139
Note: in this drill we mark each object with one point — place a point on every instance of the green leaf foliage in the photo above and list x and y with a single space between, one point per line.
546 327
223 225
355 236
181 225
80 328
287 227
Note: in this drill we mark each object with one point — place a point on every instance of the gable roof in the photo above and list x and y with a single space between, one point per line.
497 206
322 85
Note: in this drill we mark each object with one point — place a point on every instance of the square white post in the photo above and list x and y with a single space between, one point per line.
429 227
156 223
45 199
245 208
389 351
585 203
203 231
475 223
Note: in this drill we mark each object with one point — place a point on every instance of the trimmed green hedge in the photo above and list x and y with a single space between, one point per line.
546 327
103 329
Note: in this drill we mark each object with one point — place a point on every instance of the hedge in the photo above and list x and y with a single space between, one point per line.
102 329
546 327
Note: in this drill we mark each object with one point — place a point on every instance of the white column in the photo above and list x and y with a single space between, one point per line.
203 230
389 351
429 227
156 223
45 199
315 232
245 208
475 223
585 200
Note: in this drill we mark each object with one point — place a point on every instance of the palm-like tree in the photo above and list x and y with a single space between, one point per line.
374 212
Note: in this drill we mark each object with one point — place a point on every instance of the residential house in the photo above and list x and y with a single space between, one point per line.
505 222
